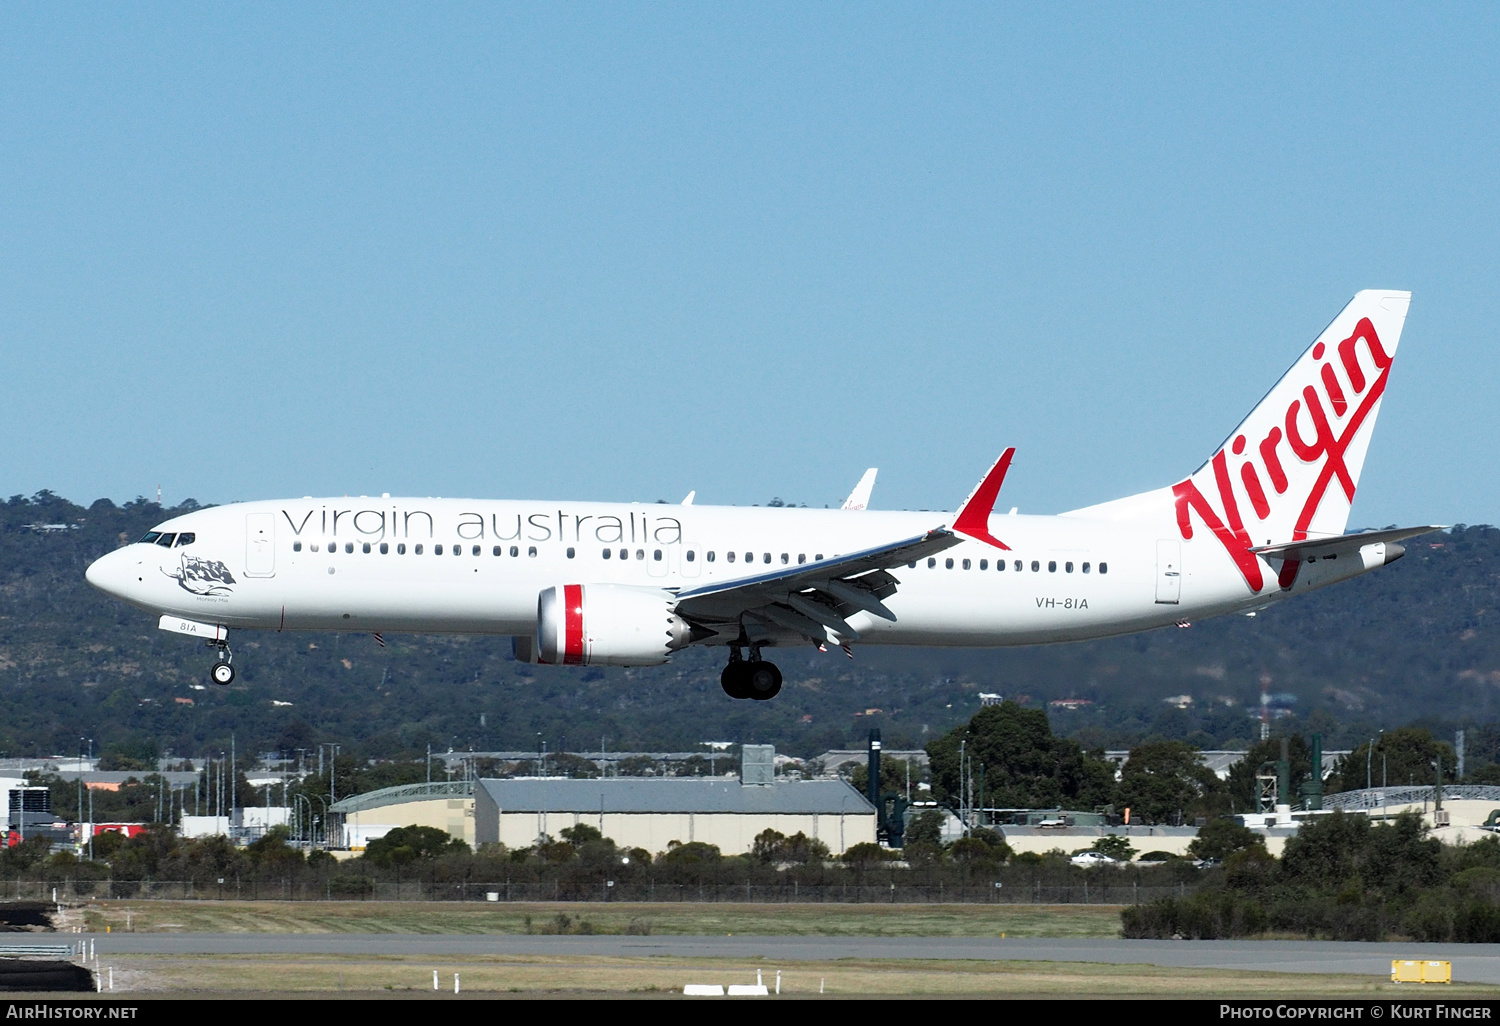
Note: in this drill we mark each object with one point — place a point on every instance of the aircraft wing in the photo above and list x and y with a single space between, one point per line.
1313 548
813 599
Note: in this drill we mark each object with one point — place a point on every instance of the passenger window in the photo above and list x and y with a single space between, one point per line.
515 550
768 557
348 546
689 555
149 538
801 558
639 553
496 551
967 564
729 556
385 548
948 563
1068 567
931 562
656 555
315 546
1085 568
750 557
458 550
1035 566
1000 564
366 548
165 541
608 553
437 550
401 548
570 552
1052 566
531 550
418 550
819 557
189 537
911 566
476 550
296 546
984 564
1104 568
785 559
1018 566
710 555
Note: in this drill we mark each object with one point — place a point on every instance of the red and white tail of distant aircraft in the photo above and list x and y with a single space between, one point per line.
628 584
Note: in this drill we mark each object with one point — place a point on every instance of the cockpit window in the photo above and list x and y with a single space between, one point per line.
186 538
165 541
150 537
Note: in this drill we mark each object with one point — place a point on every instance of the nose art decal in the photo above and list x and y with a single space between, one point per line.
202 576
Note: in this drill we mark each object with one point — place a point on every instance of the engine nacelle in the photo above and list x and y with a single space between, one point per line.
605 625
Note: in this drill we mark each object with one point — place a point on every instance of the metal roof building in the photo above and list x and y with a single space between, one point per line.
651 812
447 805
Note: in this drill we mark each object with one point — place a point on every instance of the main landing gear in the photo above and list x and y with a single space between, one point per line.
222 672
750 678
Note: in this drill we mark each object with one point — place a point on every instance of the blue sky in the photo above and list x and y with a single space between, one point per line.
623 251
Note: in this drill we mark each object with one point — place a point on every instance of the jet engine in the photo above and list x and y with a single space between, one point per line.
605 625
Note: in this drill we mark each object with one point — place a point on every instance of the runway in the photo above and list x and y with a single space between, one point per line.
1472 963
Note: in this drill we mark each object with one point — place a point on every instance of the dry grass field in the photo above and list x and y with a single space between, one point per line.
536 976
690 919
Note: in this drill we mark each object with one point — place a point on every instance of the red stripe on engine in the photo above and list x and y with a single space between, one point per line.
572 624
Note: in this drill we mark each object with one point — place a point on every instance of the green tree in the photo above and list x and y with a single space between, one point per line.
892 776
1163 782
580 835
138 752
410 843
772 846
866 853
1115 846
1221 837
926 827
1409 754
1024 764
692 853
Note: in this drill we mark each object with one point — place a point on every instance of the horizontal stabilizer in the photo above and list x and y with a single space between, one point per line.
1313 548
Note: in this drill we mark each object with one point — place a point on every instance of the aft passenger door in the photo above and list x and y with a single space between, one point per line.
260 545
1168 571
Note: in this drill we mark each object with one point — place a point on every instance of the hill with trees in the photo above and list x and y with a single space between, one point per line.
1413 643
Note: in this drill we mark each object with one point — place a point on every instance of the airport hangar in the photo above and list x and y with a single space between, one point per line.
634 812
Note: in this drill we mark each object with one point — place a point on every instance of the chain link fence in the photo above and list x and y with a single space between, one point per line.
363 889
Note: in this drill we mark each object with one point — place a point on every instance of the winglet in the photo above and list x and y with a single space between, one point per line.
974 517
690 497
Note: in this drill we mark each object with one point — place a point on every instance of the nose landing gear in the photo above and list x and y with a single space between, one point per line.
753 678
222 672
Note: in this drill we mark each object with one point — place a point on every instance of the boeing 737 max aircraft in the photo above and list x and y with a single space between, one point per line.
580 583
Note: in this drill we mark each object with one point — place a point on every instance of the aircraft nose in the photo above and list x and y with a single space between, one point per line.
112 574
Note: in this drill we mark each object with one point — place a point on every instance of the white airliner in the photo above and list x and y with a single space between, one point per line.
627 584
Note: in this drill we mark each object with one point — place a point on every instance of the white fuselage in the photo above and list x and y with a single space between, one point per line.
1262 519
471 566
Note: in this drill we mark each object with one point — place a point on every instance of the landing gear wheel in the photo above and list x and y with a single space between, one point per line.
222 674
764 681
735 680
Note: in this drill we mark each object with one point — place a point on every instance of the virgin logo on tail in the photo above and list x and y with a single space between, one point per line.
1270 481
